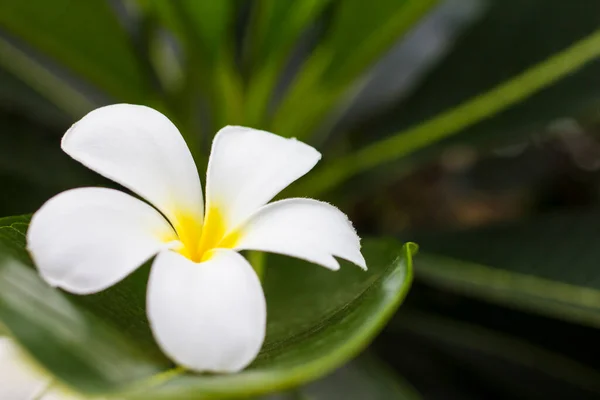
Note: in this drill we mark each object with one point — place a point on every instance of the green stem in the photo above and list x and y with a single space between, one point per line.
456 119
157 379
257 260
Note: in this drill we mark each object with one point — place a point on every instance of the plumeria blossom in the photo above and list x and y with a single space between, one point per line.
21 379
205 303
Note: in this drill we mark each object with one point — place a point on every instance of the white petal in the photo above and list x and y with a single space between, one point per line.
303 228
55 393
139 148
19 380
85 240
209 316
248 167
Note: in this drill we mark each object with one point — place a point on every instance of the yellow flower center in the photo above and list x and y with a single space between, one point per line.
198 240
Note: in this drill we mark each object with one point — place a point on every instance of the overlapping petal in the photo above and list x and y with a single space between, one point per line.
21 379
139 148
248 167
304 228
18 381
85 240
209 316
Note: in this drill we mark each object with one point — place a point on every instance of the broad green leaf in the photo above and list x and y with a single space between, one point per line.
366 377
318 320
547 265
477 109
85 37
12 235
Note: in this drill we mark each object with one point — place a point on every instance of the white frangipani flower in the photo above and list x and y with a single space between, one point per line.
20 379
205 303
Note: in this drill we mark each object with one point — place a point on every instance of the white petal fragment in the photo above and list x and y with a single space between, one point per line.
139 148
55 393
209 316
18 379
304 228
85 240
248 167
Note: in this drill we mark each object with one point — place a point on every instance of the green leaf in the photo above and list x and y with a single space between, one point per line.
275 27
85 37
366 377
492 51
360 33
12 236
452 121
548 265
43 81
76 347
202 26
18 96
206 30
318 320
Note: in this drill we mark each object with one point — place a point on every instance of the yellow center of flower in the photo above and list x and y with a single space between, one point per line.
198 240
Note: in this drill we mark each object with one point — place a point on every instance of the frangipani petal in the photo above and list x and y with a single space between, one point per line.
139 148
302 228
209 316
18 379
248 167
21 379
85 240
57 394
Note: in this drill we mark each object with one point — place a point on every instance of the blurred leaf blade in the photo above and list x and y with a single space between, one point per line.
278 24
523 265
337 63
87 38
456 119
204 30
202 26
42 80
492 51
309 332
361 33
276 27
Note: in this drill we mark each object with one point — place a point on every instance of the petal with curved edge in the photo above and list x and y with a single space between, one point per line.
85 240
209 316
18 379
139 148
248 167
304 228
